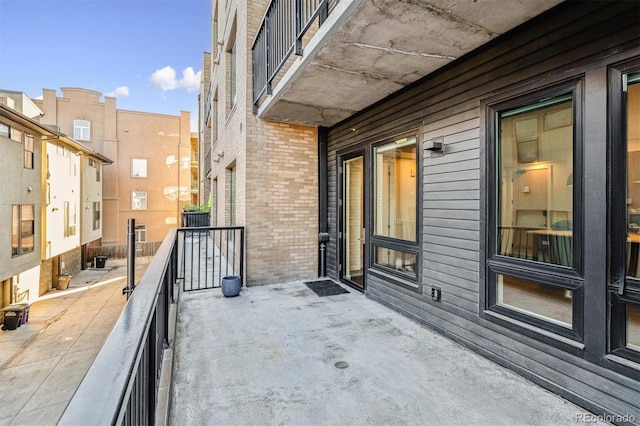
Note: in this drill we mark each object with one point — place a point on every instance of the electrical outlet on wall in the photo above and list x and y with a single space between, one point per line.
436 293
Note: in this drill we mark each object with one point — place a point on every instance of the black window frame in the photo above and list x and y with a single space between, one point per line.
402 278
622 290
561 277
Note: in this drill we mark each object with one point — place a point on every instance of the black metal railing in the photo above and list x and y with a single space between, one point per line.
207 105
207 164
283 27
122 385
195 219
210 254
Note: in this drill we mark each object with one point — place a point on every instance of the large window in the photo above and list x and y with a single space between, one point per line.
22 229
534 247
82 130
625 213
28 151
96 215
139 167
394 236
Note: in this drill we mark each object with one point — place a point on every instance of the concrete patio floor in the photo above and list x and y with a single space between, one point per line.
279 354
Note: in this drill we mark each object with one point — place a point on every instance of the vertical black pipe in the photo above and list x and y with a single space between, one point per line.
131 257
323 197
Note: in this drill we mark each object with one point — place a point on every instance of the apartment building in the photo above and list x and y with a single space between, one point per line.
263 173
21 203
72 207
468 165
63 176
150 179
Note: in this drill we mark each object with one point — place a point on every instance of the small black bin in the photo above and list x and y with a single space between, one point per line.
12 317
101 261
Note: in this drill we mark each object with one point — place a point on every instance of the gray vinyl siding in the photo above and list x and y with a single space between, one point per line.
571 41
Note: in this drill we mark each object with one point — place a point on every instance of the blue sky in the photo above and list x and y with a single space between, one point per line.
147 53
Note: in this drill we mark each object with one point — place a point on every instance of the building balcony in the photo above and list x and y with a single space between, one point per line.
318 62
299 353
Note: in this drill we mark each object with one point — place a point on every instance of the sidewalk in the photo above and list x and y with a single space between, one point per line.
43 361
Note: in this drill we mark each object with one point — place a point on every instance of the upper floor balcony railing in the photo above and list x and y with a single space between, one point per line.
207 164
207 105
358 52
280 35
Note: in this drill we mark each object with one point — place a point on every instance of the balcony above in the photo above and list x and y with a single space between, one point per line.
361 51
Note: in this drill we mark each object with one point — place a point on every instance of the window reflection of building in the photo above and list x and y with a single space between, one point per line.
633 177
534 208
395 204
633 209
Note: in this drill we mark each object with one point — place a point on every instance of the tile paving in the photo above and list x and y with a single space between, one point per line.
43 361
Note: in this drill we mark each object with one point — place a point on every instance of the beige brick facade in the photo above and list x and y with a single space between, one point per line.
161 142
274 164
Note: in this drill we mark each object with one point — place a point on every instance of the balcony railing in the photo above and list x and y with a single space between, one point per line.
207 164
194 219
207 105
122 386
283 28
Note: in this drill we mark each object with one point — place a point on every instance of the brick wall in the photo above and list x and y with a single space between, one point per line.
275 163
282 201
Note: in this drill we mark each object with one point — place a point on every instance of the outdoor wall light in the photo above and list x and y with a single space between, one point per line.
221 154
29 188
435 145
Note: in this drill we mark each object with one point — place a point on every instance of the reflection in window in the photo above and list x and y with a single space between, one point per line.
16 134
396 260
28 151
141 233
395 189
139 167
22 229
96 215
633 327
633 176
538 300
27 228
5 130
138 200
81 130
535 182
15 231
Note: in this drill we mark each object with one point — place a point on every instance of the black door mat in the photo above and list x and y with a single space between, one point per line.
325 288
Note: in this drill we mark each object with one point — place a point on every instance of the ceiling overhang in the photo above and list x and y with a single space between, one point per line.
369 49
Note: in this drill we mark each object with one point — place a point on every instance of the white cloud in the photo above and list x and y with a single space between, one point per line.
165 79
120 92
